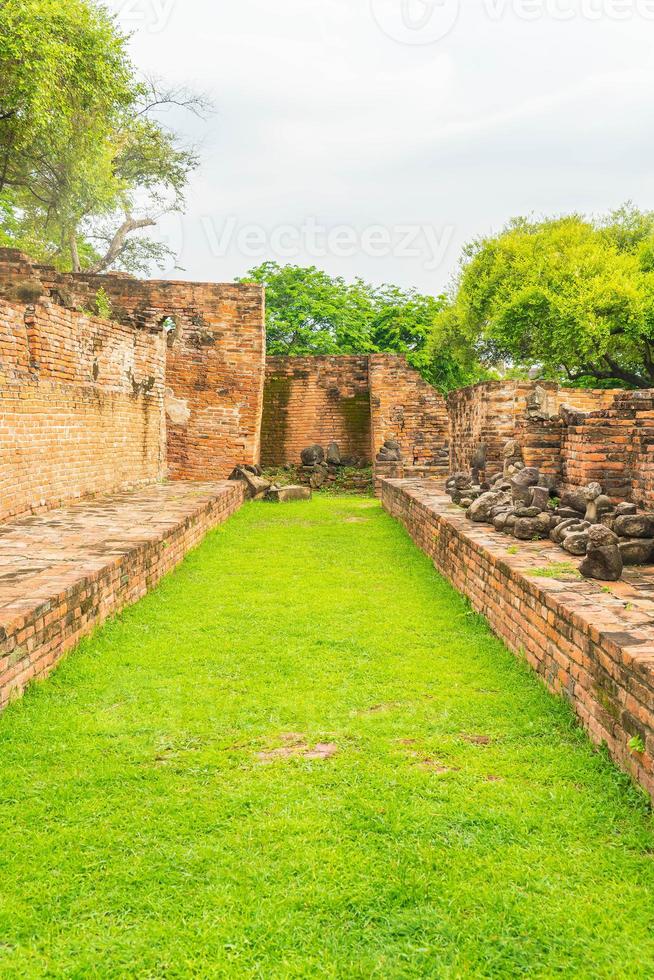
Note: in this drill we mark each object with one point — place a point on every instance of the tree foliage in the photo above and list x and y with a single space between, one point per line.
309 312
571 296
84 161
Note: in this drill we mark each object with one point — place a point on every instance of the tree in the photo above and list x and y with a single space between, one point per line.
84 162
310 312
571 296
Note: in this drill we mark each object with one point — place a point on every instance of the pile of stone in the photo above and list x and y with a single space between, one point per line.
320 466
260 488
390 452
523 502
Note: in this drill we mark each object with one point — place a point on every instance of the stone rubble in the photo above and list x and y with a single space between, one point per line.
523 502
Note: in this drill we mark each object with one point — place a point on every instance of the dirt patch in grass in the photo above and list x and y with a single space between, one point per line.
296 746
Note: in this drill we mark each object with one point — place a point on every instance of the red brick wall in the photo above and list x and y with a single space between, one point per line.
216 354
496 411
575 640
315 400
81 406
614 448
407 409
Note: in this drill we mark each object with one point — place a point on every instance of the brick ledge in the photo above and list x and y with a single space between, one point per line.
63 573
592 646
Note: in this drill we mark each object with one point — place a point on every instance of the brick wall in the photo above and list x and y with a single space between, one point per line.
614 447
575 636
315 400
81 406
216 354
408 409
494 412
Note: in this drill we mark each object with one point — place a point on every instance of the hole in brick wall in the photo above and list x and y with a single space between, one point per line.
171 328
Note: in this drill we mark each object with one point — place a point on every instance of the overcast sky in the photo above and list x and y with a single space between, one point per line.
374 138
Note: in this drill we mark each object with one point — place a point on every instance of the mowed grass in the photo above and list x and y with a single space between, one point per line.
464 827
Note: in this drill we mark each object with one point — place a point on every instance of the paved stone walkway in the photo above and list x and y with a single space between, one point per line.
63 572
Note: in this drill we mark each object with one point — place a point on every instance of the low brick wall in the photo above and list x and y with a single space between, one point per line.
64 573
592 647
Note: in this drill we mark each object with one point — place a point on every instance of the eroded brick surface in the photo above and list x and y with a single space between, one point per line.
315 401
592 646
63 573
81 406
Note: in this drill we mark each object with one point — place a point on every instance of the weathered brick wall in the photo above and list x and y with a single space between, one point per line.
408 409
315 400
494 412
615 448
216 354
574 636
81 406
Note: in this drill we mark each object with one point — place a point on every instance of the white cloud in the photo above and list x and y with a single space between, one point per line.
320 114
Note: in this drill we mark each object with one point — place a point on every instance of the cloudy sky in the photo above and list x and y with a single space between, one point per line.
374 138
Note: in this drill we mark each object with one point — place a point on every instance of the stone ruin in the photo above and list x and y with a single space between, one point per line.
258 487
523 502
323 466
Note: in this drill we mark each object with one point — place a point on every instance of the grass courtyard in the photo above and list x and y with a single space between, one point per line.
304 756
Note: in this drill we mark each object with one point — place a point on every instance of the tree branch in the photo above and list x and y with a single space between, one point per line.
119 241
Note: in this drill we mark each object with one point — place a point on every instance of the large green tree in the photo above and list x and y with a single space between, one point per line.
84 162
570 296
310 312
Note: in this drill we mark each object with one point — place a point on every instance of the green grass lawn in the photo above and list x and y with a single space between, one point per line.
303 756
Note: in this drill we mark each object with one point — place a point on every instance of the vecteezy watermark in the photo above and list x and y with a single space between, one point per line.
416 21
427 21
149 15
315 241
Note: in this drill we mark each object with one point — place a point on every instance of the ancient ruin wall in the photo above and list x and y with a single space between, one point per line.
215 354
407 409
614 447
81 406
315 400
494 412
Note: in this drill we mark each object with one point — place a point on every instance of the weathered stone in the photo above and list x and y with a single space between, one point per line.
548 481
626 509
540 498
257 486
522 482
576 543
544 522
604 559
602 537
637 551
635 526
333 454
527 528
569 513
312 455
604 564
499 522
318 479
466 502
527 511
481 508
282 495
566 527
575 500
